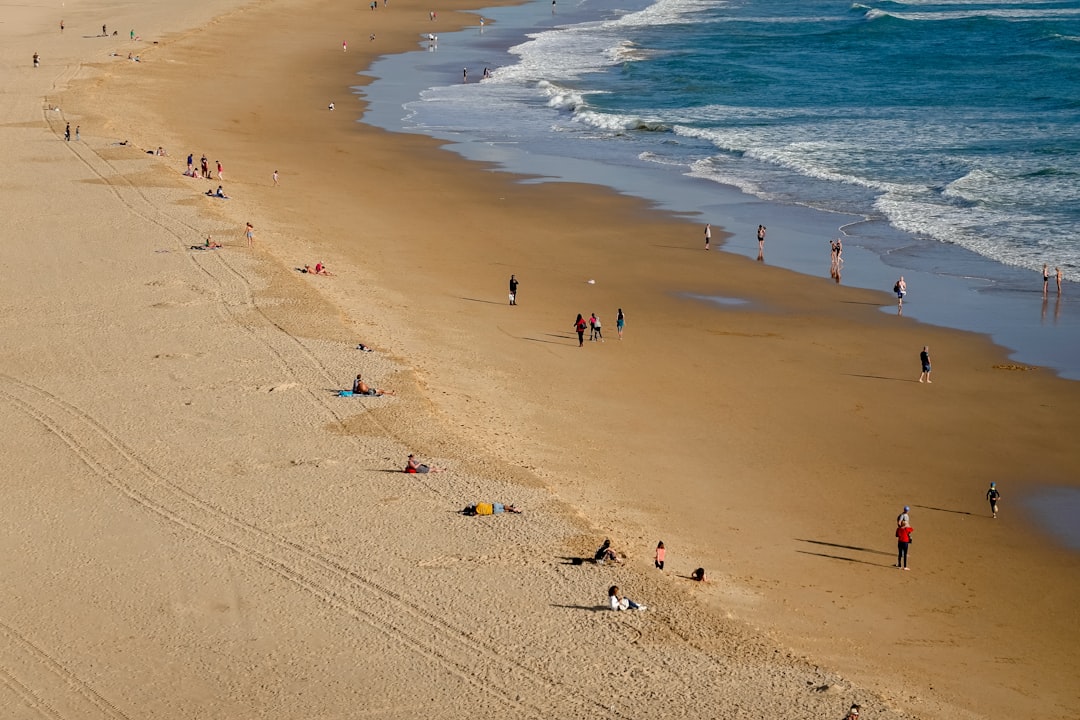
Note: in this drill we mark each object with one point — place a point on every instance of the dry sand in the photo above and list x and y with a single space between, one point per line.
196 526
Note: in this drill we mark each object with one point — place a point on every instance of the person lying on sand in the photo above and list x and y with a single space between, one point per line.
208 245
359 387
605 554
219 193
492 508
414 467
320 269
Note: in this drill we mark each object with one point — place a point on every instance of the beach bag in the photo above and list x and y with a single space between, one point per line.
484 509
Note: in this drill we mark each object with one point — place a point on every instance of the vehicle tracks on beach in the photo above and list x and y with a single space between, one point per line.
232 289
515 683
21 657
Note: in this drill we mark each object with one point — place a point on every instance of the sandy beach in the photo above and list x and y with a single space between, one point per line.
199 526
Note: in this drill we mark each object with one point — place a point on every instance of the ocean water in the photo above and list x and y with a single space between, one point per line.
941 140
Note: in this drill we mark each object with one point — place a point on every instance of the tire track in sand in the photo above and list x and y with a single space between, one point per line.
525 689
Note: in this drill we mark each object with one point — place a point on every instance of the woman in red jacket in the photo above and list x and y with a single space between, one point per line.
903 540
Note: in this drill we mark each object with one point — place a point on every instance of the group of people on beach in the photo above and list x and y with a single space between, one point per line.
904 529
605 554
595 327
1058 276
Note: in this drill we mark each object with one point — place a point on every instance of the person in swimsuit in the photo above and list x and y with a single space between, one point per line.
1057 275
761 239
359 387
1046 279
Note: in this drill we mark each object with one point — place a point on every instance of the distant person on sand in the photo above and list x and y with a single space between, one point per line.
597 329
620 322
414 467
924 358
708 235
249 233
330 107
992 495
275 178
320 269
619 602
853 713
579 328
699 575
1059 277
359 387
513 290
592 327
902 518
67 132
78 134
661 551
37 59
903 540
1046 279
220 171
900 288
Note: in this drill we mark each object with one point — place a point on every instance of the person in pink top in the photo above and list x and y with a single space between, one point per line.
660 553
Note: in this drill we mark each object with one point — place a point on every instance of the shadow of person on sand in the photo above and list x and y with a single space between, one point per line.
846 559
591 608
489 302
845 547
958 512
568 560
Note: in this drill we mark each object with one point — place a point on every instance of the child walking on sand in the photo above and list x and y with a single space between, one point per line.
660 553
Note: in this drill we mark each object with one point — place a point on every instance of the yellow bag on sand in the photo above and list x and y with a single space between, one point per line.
484 509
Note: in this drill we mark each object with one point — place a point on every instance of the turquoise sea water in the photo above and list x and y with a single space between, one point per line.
940 139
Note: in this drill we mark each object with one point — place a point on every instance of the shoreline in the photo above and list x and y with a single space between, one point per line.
956 288
432 300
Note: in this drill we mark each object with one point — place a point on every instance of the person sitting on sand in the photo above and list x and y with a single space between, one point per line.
698 575
219 193
853 713
620 602
320 269
492 508
605 554
414 467
359 387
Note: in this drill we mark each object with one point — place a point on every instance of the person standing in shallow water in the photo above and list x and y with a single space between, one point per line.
1046 279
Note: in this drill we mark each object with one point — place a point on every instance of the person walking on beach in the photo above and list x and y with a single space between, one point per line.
78 129
902 518
579 328
513 289
344 46
465 75
620 322
597 332
67 132
220 171
249 233
708 235
1046 279
661 551
592 327
900 288
761 240
275 178
924 358
1058 277
903 540
204 166
992 495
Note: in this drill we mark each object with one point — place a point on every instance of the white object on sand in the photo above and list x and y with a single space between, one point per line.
591 282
